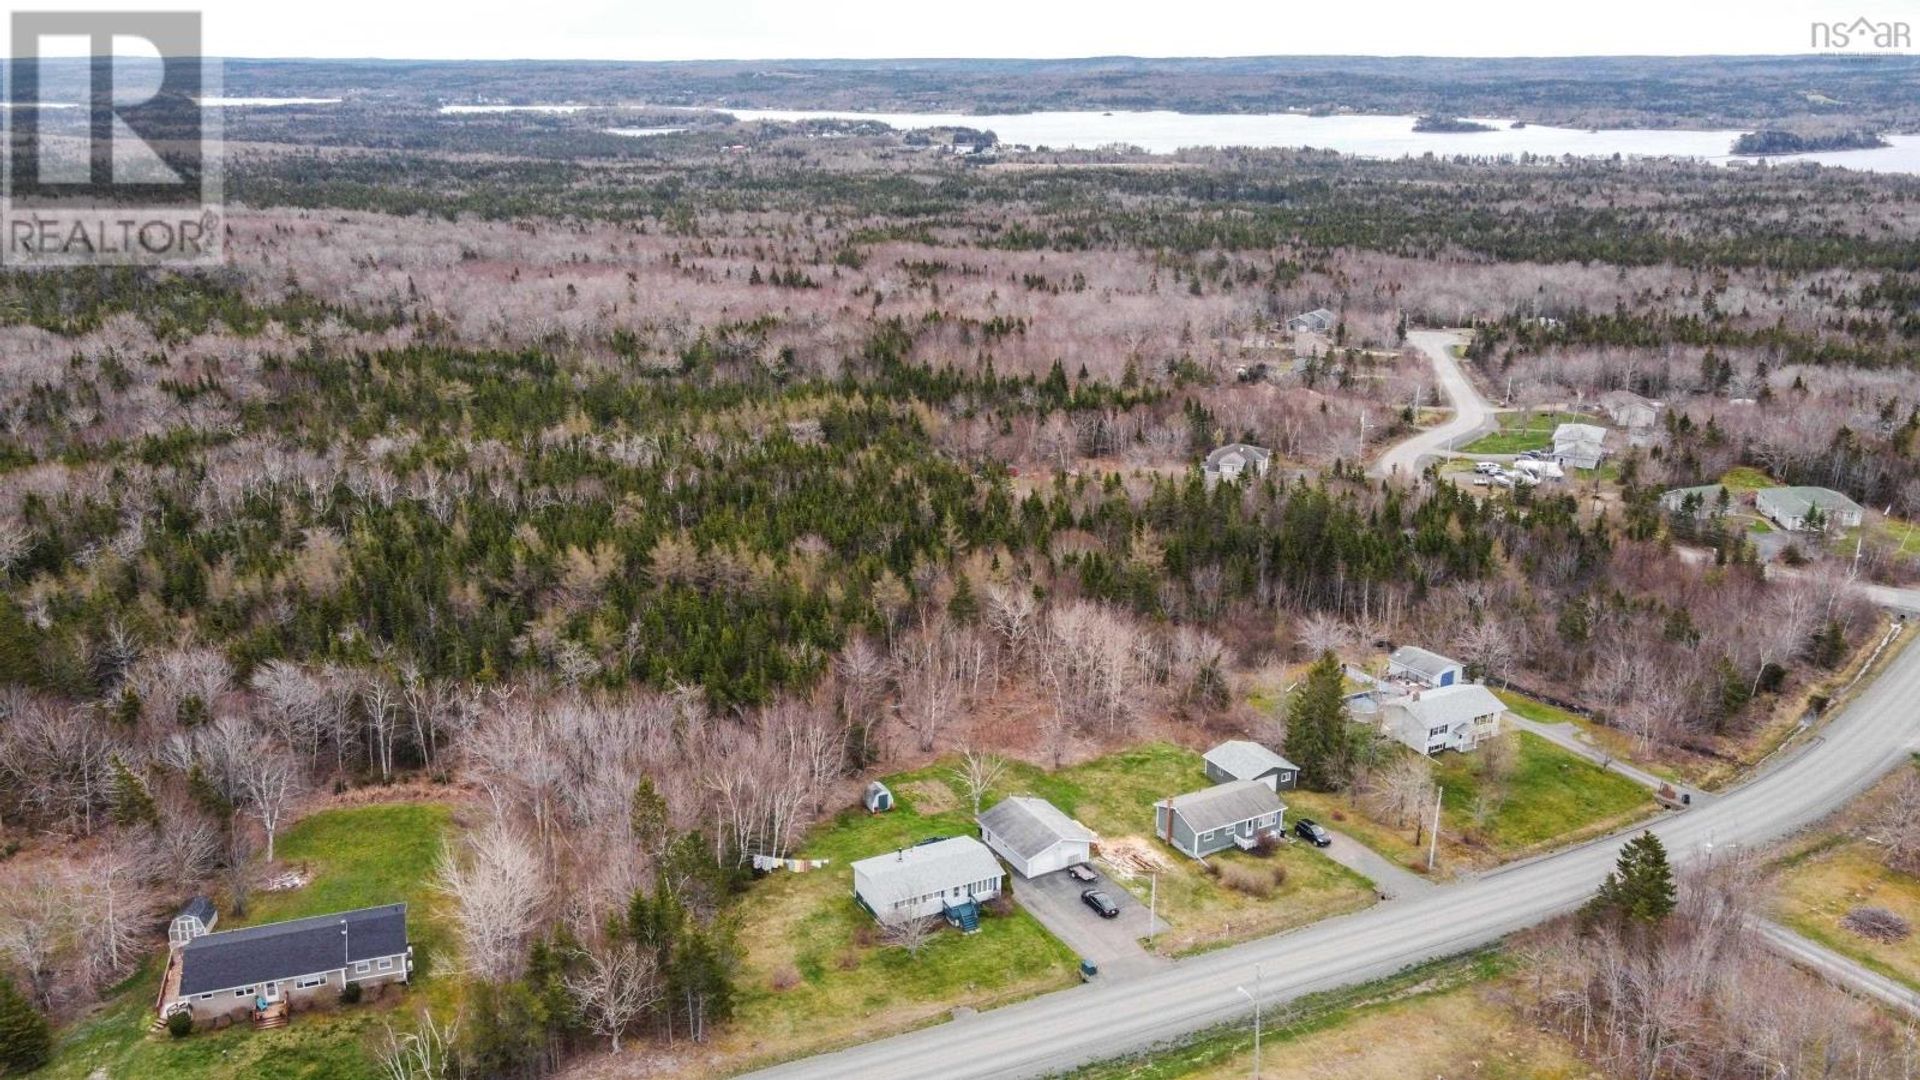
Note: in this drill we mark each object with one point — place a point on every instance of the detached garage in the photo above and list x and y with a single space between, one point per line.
1034 836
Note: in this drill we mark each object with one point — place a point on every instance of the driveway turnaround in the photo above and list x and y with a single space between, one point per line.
1098 1021
1112 944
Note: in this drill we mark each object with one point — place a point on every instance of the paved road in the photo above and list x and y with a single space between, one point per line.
1094 1022
1471 413
1835 968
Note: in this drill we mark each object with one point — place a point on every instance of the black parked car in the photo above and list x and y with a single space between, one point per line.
1310 830
1098 901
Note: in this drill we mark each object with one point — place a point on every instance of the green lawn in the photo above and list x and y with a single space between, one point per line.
1523 431
1551 796
1742 479
1608 739
360 856
808 927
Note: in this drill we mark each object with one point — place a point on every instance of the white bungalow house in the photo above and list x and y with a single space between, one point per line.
1579 445
1629 410
949 877
1458 717
1808 509
1415 664
1233 459
1034 836
1239 759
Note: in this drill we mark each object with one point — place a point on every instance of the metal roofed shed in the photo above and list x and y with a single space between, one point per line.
1424 666
1241 759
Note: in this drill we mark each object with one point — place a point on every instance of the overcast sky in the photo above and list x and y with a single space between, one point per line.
763 29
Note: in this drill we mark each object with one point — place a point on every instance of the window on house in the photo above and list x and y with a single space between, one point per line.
361 968
243 991
206 997
311 981
386 964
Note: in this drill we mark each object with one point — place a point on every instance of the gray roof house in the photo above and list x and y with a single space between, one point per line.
1425 667
289 961
1317 321
1229 461
1702 501
1458 717
1580 445
1034 836
1239 759
1235 814
197 918
1629 410
1803 509
947 877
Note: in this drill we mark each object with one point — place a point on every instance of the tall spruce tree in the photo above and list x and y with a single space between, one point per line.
26 1042
1640 888
1319 737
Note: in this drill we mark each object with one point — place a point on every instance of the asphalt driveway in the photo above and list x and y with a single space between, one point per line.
1112 944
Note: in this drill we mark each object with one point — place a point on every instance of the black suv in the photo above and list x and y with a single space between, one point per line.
1309 830
1098 901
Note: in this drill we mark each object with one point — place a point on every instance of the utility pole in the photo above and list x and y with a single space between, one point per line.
1433 842
1153 905
1254 999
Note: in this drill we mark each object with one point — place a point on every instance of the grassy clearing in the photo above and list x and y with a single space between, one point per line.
1450 1018
360 856
1523 431
1743 479
1551 796
1818 889
1611 741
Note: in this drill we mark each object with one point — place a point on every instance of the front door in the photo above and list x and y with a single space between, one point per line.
273 992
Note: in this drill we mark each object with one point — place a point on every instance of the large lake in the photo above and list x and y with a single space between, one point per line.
1366 136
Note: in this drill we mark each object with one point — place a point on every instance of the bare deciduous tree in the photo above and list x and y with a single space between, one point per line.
619 983
978 773
909 934
270 780
498 887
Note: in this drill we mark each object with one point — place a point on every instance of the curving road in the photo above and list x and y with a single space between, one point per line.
1471 413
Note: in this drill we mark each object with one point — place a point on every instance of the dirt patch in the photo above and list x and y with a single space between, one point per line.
287 880
930 797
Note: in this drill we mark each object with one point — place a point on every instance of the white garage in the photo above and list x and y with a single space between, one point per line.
1034 836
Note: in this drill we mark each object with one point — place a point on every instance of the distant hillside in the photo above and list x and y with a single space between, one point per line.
1748 93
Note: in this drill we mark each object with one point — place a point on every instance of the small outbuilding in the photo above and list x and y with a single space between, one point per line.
1237 814
949 877
194 920
1034 836
1703 501
1427 668
1808 509
1241 759
878 799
